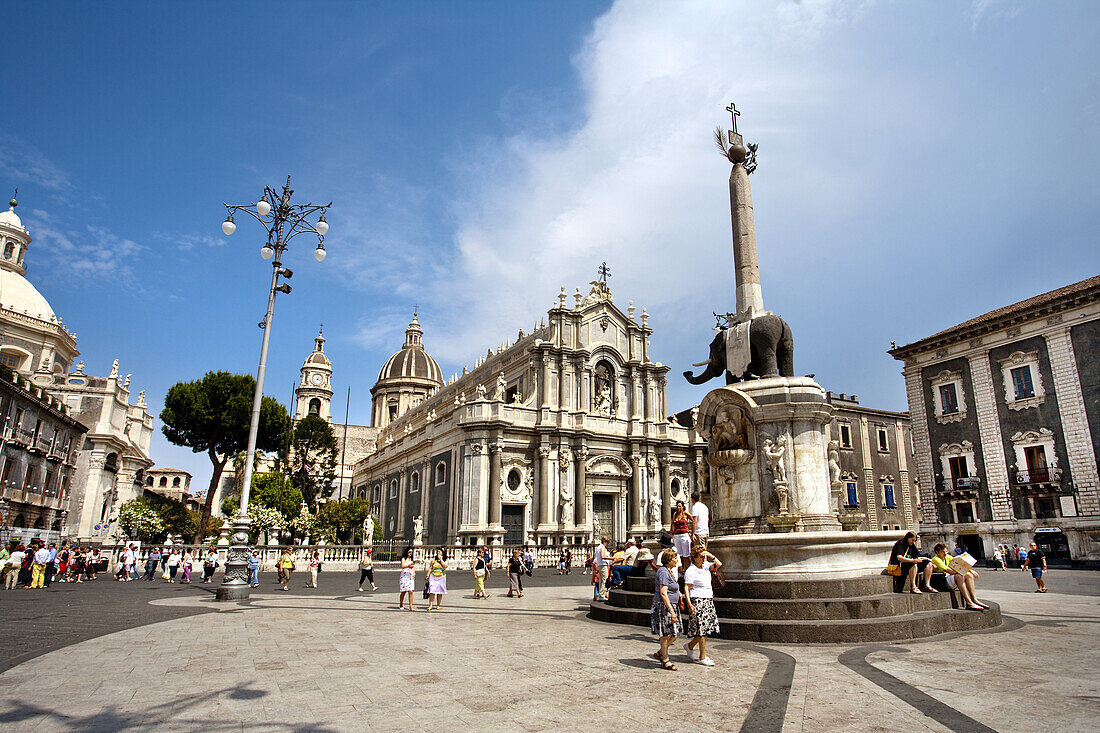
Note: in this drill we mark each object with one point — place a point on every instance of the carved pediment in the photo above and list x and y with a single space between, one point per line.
608 465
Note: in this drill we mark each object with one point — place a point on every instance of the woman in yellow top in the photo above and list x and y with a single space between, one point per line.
286 567
963 582
437 579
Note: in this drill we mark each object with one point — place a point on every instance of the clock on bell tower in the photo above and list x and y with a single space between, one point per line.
314 393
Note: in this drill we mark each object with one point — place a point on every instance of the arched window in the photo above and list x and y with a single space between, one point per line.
148 480
39 523
9 250
440 472
393 489
315 407
112 462
176 482
20 521
414 482
163 481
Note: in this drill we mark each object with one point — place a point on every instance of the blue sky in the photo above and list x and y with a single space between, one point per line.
919 164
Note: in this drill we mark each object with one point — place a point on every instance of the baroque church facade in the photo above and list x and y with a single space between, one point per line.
557 437
108 467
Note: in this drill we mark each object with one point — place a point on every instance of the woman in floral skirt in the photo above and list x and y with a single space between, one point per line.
703 621
407 581
664 616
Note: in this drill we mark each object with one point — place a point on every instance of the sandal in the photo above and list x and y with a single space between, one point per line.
667 664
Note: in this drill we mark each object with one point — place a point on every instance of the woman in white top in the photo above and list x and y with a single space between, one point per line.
703 621
173 566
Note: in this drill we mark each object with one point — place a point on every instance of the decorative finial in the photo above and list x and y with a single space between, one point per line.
13 203
645 316
630 310
578 297
321 330
735 150
604 272
561 297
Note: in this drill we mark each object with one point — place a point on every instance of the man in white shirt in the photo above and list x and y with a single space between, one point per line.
603 567
129 560
700 521
38 568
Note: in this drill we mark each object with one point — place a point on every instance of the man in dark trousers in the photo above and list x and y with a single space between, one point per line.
1037 561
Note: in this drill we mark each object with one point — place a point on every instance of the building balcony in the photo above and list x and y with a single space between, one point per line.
958 487
1036 477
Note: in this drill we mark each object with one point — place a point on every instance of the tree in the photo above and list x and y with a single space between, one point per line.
342 520
271 490
311 461
212 415
174 514
140 520
304 523
263 518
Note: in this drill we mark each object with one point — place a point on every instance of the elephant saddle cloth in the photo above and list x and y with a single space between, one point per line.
738 348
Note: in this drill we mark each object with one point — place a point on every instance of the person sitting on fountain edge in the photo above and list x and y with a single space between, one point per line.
963 582
906 554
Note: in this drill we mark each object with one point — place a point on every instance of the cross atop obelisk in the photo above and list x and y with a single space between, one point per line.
603 271
750 297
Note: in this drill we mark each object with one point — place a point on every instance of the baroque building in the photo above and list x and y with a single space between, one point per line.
35 344
41 444
871 454
1005 413
558 436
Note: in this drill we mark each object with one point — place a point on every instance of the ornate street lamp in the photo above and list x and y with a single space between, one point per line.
283 222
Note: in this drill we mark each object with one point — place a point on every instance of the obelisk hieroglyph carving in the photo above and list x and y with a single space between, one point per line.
750 297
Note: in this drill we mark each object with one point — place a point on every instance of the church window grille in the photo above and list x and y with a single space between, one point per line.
1021 382
853 493
949 398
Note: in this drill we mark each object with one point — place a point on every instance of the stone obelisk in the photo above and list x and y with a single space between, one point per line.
750 297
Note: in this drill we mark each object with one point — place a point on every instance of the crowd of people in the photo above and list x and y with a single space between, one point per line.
165 563
39 564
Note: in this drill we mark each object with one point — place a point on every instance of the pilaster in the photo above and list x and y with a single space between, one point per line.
1075 425
989 431
922 447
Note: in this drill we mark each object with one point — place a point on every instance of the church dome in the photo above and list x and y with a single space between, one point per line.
411 362
17 294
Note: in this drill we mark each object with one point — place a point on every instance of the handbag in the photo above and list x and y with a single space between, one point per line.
894 570
426 593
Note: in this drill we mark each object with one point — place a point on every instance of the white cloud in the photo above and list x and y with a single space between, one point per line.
90 253
22 162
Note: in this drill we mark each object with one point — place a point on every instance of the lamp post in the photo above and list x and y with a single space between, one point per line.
283 222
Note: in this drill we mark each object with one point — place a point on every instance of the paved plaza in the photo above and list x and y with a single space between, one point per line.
335 659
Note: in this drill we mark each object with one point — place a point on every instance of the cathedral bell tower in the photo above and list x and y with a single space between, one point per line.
314 393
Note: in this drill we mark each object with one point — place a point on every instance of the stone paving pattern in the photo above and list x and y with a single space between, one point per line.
325 661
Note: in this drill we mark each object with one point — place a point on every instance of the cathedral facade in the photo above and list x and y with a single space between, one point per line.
558 437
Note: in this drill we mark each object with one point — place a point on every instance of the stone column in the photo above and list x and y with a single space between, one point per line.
665 462
401 487
1075 425
636 520
545 369
495 450
635 389
425 482
544 487
580 505
989 430
750 297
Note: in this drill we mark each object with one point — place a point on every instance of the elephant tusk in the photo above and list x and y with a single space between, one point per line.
702 363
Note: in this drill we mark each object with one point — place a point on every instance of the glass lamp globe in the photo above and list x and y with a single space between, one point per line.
322 226
228 227
263 208
266 252
319 253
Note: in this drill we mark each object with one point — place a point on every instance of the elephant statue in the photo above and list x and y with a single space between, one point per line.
772 352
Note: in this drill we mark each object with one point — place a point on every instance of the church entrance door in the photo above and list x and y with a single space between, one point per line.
511 518
603 509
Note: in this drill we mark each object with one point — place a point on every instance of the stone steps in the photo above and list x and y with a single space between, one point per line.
838 631
772 589
819 609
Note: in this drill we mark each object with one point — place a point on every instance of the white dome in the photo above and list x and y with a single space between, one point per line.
10 218
17 293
